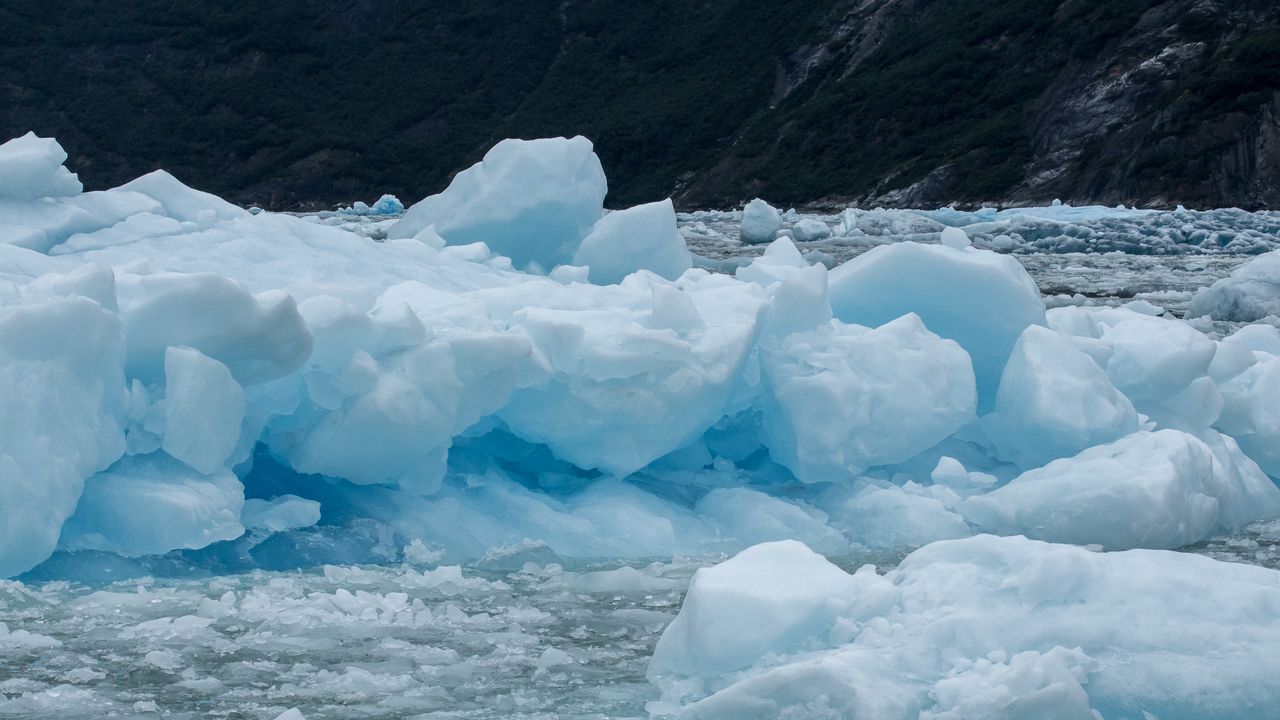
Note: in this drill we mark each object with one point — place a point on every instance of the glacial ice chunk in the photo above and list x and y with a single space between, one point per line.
204 407
1163 489
888 516
980 299
809 230
152 504
622 393
258 338
62 414
530 200
730 618
1054 401
285 512
781 260
760 222
1257 337
31 168
385 205
799 302
181 202
1251 413
1153 359
1030 630
643 237
749 517
842 398
1250 293
954 238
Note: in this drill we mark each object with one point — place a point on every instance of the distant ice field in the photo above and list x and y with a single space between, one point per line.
1105 260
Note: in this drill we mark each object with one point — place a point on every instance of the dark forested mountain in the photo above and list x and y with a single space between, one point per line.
907 102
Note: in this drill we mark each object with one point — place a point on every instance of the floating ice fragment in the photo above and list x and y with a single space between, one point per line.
530 200
809 230
1164 489
1054 401
980 299
1251 292
955 238
1031 631
760 222
643 237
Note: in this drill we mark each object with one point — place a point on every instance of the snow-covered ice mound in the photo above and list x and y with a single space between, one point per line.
983 627
510 365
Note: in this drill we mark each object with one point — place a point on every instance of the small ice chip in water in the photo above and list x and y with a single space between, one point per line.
164 659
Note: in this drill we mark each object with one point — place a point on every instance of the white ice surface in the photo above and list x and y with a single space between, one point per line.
760 222
150 504
423 389
640 238
1164 489
31 168
532 201
984 627
1252 292
950 289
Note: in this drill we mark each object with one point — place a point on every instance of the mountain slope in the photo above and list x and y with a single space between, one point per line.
908 102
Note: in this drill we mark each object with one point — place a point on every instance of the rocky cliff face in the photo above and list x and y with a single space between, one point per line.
891 102
1125 126
1143 103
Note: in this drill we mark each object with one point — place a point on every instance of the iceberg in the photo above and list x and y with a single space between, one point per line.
513 368
203 407
844 398
533 201
387 205
760 222
32 168
1163 489
1250 293
730 619
810 230
973 628
1054 401
639 238
286 512
63 398
979 299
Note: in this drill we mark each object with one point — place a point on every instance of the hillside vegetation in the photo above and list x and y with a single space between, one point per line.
293 104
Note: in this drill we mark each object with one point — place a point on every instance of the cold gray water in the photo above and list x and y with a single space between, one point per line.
394 641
